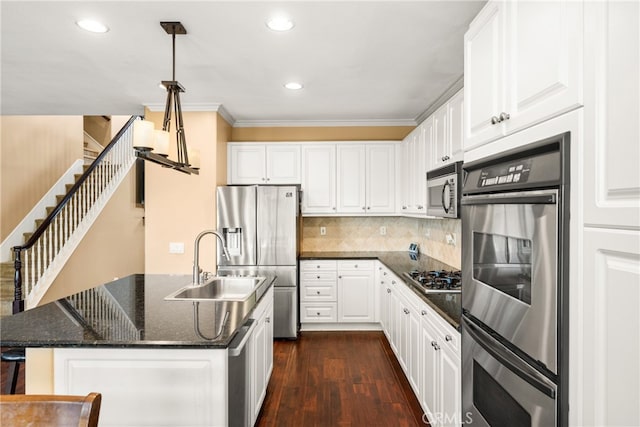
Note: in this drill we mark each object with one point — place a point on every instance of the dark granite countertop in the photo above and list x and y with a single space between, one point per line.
138 317
447 305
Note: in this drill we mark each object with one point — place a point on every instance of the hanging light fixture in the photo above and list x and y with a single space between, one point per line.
154 145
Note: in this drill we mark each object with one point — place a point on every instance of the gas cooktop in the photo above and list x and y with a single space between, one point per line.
440 281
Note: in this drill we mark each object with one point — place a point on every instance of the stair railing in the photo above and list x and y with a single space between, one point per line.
62 230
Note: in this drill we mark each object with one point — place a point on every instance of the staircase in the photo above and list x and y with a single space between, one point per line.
49 246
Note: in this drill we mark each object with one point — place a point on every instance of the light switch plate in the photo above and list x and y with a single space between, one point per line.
176 248
323 231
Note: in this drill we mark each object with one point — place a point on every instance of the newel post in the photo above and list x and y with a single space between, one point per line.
18 302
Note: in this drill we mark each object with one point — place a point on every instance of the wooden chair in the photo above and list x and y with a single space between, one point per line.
50 410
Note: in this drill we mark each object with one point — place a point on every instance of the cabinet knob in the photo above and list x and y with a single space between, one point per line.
393 282
388 290
263 179
504 116
495 120
317 266
448 338
405 311
368 207
339 277
404 207
420 207
268 320
364 209
318 313
318 292
355 266
334 208
435 345
423 312
384 273
317 277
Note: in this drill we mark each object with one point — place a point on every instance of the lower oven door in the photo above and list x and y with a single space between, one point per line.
499 388
509 268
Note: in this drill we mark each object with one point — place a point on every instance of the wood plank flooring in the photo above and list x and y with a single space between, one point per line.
338 379
331 379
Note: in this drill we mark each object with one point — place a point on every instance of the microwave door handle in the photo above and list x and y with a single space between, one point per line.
444 206
512 362
543 199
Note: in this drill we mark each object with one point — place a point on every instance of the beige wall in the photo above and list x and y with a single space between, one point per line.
180 206
319 133
113 247
35 153
363 234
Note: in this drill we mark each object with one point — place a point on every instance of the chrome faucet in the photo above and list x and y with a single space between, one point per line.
196 253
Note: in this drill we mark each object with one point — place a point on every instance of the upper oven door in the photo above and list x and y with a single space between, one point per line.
509 268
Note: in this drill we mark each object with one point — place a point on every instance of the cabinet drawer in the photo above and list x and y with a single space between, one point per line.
325 312
355 264
318 292
446 334
317 265
317 276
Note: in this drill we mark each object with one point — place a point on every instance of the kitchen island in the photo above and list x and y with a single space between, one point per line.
156 362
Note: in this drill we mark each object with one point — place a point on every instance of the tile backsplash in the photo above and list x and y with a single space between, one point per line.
363 234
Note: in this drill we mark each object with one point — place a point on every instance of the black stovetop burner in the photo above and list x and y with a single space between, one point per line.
436 281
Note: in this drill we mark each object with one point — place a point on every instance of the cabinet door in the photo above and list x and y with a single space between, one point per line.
450 392
355 296
403 175
544 60
282 163
484 75
380 178
455 116
430 371
259 340
606 330
611 112
268 344
409 165
246 164
319 179
351 178
414 351
440 135
423 153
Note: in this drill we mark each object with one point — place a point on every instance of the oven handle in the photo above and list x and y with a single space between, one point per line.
512 362
542 199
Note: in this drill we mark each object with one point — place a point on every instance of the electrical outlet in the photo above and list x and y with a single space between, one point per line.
383 230
176 248
323 231
451 239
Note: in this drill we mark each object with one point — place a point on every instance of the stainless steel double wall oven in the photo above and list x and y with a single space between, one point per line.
515 287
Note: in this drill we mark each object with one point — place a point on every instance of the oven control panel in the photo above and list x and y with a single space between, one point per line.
510 173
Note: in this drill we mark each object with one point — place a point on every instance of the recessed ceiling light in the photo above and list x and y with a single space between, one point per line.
280 23
293 85
93 26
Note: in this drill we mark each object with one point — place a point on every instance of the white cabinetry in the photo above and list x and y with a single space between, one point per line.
356 291
261 352
440 382
523 65
365 178
319 179
277 163
605 342
318 295
446 144
412 167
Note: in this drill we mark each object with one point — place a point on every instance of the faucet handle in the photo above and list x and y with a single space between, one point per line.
206 275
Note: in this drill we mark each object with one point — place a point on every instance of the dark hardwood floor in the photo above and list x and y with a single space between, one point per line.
338 379
331 379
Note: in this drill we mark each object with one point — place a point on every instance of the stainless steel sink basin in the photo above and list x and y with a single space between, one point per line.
219 289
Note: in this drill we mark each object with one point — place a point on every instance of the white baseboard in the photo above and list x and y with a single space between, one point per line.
340 327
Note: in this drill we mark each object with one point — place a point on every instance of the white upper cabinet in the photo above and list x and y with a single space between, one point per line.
447 133
523 65
319 179
365 178
263 163
612 114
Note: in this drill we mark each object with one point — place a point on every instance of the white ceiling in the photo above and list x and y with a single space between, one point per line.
361 62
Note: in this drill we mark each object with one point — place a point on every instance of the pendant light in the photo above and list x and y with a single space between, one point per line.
154 145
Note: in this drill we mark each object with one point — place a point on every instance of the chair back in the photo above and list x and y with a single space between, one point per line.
50 410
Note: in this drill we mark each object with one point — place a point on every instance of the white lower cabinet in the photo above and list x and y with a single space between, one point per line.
261 348
337 291
427 348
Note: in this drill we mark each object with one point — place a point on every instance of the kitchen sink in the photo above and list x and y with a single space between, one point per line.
219 289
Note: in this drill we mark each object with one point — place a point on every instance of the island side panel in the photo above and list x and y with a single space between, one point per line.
148 387
38 374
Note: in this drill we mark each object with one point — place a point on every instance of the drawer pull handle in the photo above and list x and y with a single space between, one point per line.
405 311
448 338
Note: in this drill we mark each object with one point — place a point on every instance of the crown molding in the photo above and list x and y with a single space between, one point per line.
451 90
322 123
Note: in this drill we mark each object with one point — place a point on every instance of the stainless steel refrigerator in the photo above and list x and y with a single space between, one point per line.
261 226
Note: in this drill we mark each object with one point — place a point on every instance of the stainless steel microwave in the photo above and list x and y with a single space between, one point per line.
443 191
